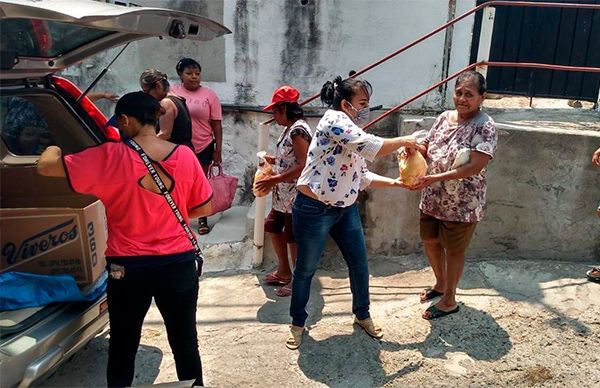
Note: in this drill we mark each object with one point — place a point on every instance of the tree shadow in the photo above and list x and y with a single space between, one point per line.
354 360
87 367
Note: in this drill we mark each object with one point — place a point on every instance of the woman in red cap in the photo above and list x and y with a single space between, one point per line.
289 160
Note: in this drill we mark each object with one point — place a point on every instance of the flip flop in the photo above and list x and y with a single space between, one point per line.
430 294
369 327
284 290
273 278
294 339
436 313
203 227
594 274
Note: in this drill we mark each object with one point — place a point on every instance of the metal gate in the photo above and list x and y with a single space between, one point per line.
543 35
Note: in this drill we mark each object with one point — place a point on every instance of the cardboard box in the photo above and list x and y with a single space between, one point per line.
55 232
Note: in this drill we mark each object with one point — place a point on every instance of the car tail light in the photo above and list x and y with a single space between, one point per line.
64 84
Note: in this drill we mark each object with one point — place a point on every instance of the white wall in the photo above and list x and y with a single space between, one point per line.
275 42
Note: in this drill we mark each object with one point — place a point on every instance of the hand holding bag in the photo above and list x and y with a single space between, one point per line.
223 186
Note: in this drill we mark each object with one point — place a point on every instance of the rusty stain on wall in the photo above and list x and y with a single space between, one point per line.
302 41
245 58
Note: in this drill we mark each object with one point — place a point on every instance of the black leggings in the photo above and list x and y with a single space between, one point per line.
175 291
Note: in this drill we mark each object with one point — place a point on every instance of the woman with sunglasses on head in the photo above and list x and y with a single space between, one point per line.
205 111
175 125
325 205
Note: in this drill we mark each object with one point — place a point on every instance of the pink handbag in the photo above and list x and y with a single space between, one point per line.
223 187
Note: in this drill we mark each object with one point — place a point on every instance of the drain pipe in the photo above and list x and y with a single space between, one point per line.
259 208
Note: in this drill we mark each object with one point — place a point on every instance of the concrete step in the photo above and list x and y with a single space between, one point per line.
226 247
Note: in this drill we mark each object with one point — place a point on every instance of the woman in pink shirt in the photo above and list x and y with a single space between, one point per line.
148 252
205 110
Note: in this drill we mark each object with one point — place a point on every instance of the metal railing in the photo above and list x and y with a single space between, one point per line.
478 64
493 3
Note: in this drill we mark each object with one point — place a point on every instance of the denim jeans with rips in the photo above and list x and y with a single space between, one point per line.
313 221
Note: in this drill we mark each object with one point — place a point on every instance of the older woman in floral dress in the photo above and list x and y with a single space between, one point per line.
453 192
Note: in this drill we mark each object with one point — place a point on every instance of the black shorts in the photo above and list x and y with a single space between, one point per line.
279 222
205 157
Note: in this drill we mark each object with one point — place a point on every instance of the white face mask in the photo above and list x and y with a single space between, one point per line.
362 116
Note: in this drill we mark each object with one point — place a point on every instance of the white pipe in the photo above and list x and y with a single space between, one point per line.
259 203
485 38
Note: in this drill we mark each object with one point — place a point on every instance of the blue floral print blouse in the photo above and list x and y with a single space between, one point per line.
335 166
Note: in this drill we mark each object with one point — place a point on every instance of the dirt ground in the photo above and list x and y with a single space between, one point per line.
521 323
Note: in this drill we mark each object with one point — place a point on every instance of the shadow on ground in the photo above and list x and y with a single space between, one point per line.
82 370
277 309
355 359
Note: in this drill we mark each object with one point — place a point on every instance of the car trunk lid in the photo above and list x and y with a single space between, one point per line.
64 32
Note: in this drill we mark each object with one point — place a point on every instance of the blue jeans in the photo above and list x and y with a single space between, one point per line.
313 221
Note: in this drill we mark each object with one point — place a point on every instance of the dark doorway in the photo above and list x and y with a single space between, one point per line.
543 35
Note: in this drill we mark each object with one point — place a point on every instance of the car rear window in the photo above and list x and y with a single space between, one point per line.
25 131
31 122
45 39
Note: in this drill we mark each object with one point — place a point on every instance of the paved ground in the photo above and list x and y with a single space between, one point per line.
521 323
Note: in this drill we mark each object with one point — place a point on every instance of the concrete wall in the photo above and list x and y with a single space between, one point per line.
542 188
276 42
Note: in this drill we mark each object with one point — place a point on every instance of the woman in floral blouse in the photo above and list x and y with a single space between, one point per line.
453 196
289 161
325 204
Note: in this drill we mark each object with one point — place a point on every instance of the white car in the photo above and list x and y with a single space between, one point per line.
39 38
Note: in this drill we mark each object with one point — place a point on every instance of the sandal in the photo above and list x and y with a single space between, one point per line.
429 294
435 312
273 278
203 227
594 274
369 327
284 290
294 339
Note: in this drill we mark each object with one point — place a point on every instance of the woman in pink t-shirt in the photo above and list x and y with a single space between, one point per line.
205 111
148 252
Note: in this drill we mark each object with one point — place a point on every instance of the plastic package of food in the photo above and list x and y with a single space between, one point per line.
412 167
264 170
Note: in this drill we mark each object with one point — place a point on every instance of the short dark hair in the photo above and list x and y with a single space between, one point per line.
145 108
477 77
293 110
186 62
332 93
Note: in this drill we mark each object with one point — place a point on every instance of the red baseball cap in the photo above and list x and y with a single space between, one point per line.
284 93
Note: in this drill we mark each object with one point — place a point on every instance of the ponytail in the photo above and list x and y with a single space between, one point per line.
333 93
